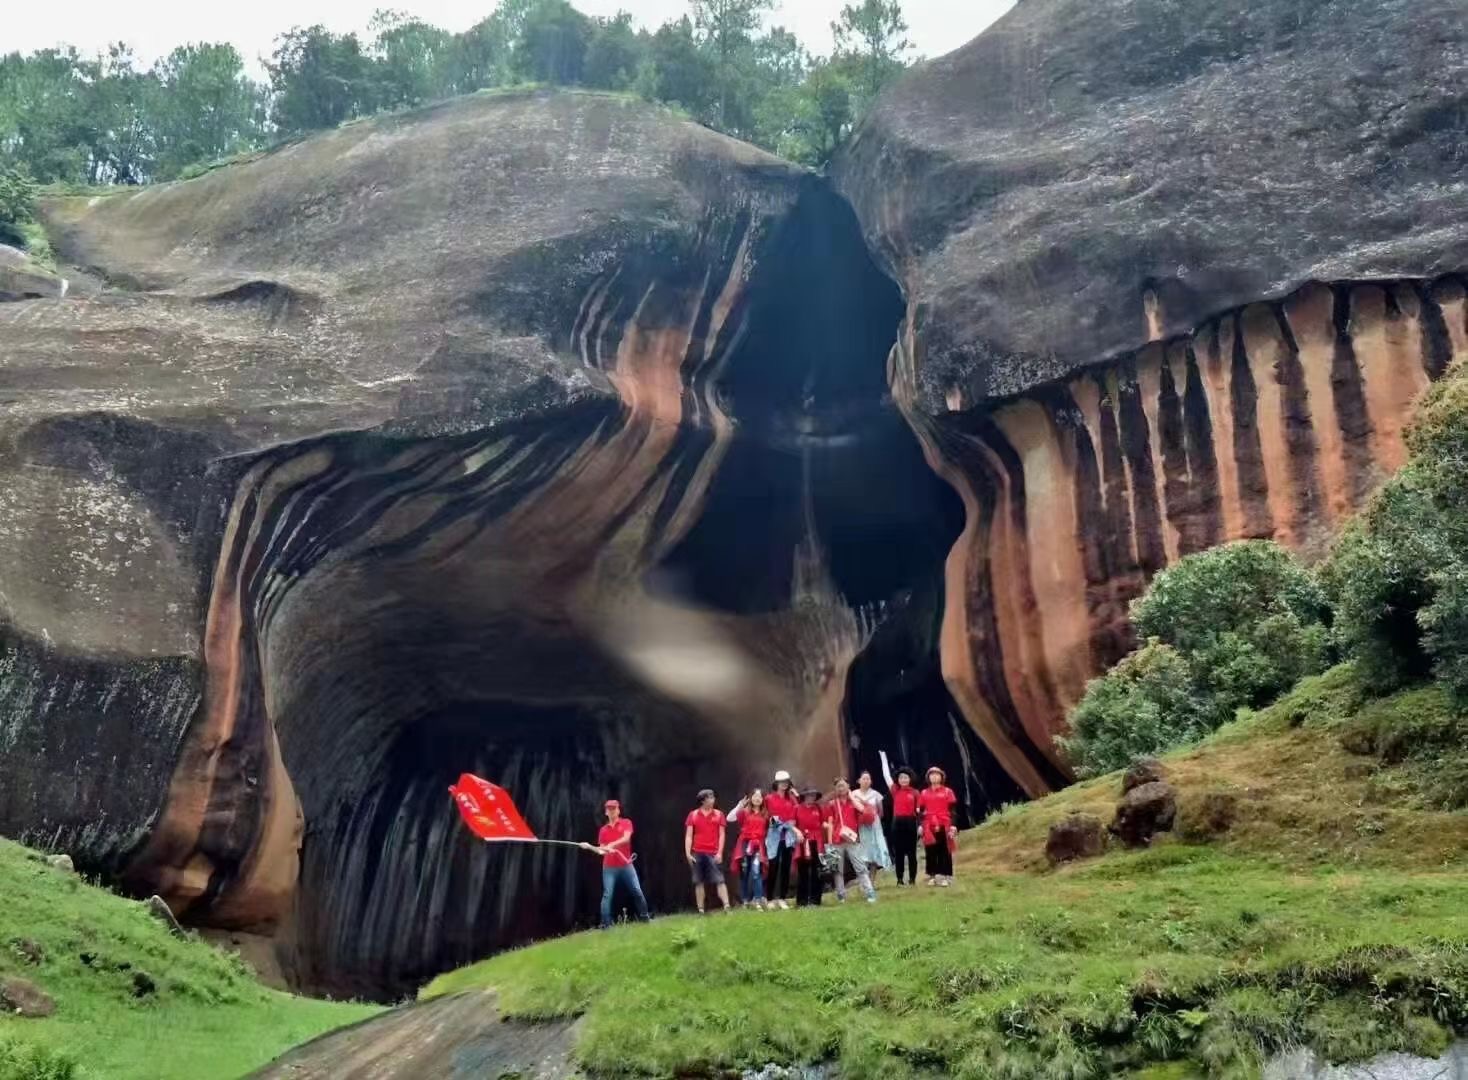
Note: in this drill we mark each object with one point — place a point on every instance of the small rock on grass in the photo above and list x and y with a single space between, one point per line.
30 951
1144 812
62 863
159 909
25 998
1076 836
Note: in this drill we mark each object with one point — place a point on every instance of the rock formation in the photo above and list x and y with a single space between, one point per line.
555 438
544 436
1175 274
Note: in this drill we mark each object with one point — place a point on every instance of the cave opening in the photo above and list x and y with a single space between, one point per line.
434 606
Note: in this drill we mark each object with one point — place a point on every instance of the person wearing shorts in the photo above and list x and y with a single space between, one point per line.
703 846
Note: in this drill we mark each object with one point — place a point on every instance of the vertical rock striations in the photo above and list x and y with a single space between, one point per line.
1175 274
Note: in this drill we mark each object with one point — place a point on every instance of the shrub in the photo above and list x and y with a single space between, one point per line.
1146 704
1399 575
17 203
1248 617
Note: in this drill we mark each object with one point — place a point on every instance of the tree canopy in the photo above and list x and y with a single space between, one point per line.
108 119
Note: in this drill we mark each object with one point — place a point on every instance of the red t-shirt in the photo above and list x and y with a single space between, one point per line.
844 815
937 804
752 826
708 830
904 802
781 806
810 821
622 856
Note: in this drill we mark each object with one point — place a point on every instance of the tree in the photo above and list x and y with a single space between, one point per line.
727 28
412 60
615 53
819 115
319 79
17 204
872 33
677 70
552 44
207 108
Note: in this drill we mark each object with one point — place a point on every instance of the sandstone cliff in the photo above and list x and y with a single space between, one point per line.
540 435
1175 273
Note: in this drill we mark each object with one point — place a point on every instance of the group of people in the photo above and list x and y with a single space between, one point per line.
785 836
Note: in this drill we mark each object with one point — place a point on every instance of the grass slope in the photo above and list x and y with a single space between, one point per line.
207 1017
1331 915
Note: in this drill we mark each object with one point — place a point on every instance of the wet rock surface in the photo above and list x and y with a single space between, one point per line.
459 1037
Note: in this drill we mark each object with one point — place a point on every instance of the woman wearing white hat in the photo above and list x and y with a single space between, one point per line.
782 838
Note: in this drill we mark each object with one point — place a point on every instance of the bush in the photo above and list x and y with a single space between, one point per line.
1248 617
17 203
1399 576
1146 704
1227 628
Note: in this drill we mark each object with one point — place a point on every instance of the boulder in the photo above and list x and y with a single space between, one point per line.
1143 812
22 279
62 863
25 998
427 442
1162 293
1076 836
1142 771
157 907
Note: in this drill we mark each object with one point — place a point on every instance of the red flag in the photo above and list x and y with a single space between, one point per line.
488 810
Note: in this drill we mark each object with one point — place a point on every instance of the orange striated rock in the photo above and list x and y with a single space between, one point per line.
1274 421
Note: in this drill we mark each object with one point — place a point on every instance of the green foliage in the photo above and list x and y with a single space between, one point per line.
1228 628
77 120
20 1061
1144 705
17 202
1399 575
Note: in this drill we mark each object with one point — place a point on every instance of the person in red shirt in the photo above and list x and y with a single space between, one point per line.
845 815
811 828
780 843
935 804
904 822
614 845
748 861
703 847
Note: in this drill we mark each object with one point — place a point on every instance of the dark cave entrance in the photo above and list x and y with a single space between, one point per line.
442 662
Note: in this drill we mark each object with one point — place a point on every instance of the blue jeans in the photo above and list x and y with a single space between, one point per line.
751 879
611 877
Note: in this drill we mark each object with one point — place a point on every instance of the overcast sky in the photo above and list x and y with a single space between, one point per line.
153 27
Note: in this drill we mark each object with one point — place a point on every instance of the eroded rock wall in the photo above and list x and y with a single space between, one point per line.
1273 421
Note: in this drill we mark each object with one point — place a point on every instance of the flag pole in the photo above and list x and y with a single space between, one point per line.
538 840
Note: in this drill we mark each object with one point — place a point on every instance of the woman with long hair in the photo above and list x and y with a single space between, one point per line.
782 802
748 859
872 837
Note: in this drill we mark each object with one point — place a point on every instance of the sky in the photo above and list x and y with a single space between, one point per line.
154 27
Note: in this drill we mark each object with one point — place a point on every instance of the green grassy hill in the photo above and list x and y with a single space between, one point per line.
1330 914
132 1001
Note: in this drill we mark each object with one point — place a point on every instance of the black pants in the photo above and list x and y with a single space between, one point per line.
780 874
808 879
940 859
904 846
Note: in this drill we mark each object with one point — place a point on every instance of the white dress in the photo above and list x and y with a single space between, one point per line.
873 839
